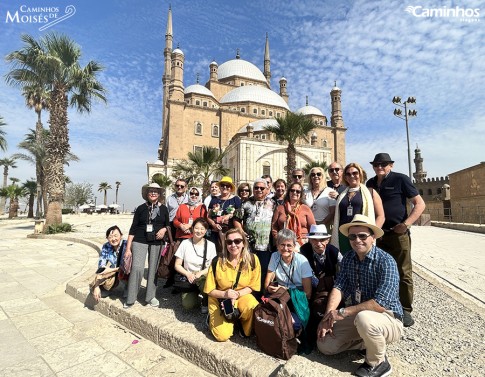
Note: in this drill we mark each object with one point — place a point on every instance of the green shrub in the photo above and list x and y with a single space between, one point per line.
59 228
67 211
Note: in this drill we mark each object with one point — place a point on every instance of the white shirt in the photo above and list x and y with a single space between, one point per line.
320 205
193 255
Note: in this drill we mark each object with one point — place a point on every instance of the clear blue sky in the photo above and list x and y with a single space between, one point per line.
374 49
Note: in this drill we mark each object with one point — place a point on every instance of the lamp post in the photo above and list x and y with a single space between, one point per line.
407 113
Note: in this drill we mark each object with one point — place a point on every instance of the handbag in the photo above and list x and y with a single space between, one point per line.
125 268
107 280
166 260
182 283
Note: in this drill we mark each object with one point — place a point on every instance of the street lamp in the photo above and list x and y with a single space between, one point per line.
407 113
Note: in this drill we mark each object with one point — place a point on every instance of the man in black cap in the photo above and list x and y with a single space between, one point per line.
394 189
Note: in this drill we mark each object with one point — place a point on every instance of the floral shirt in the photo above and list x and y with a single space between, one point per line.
108 254
256 218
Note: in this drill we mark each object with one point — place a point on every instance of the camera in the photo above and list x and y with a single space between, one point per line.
151 236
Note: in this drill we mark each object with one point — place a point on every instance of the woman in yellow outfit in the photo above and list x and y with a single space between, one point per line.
235 256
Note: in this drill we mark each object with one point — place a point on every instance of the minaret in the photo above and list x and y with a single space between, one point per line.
283 92
267 68
213 71
336 119
420 174
166 77
176 90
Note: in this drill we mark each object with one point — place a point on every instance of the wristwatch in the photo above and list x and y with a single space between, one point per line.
407 226
341 311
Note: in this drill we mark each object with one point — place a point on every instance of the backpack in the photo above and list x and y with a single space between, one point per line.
273 325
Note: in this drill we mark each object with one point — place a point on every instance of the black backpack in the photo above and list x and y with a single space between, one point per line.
273 325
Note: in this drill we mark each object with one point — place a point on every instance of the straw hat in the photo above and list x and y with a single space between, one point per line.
361 220
228 181
145 188
318 231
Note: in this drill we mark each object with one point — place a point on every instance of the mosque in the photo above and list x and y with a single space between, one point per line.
230 113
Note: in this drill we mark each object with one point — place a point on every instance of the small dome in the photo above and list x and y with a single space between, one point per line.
283 78
213 63
198 89
177 51
258 125
309 110
241 68
254 93
335 88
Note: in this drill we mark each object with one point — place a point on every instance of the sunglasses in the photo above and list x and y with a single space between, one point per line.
194 194
380 164
236 241
297 176
258 188
244 190
295 191
222 185
334 170
352 174
180 186
360 236
153 191
315 174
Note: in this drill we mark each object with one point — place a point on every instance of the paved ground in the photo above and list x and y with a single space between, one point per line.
45 332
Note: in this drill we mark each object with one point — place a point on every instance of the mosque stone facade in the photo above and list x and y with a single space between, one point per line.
230 112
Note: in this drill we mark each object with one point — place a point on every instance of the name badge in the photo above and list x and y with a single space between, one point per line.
257 219
149 228
350 211
191 220
357 296
219 213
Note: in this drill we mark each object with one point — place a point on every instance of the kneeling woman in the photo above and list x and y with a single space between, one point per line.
292 271
192 260
237 274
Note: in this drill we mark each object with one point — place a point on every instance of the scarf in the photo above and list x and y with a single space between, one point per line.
367 209
293 221
197 201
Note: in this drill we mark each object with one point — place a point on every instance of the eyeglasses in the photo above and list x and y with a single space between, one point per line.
352 174
296 176
180 186
244 190
380 164
194 194
360 236
315 174
222 185
153 192
259 188
334 170
236 241
295 191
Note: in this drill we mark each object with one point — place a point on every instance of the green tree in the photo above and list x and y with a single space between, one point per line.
164 182
104 187
118 184
30 187
314 164
201 166
7 163
53 63
3 141
290 128
13 192
78 194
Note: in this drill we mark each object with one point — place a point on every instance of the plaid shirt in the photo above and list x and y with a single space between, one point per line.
376 277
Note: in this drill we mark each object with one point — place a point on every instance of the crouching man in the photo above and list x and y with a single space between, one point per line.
369 277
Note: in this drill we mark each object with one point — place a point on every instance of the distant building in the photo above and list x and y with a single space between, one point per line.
230 112
431 189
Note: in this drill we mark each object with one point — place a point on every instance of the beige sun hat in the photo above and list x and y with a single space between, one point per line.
318 231
361 220
228 181
145 188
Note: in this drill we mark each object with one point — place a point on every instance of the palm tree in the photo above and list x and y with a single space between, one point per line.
3 141
164 182
30 188
104 186
13 192
290 128
117 183
53 64
201 166
314 164
7 163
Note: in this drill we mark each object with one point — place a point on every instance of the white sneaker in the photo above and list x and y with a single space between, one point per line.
154 302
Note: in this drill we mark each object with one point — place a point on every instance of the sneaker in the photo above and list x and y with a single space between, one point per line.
407 320
127 306
382 370
154 302
204 310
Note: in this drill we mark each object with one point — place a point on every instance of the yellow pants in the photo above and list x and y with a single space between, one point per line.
222 329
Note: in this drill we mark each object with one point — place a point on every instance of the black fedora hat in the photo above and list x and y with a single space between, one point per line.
382 157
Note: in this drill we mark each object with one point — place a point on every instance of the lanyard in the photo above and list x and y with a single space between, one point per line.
292 270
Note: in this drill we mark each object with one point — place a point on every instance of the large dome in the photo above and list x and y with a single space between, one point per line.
309 110
241 68
254 93
198 89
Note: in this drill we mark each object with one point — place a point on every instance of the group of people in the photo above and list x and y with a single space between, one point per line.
341 247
